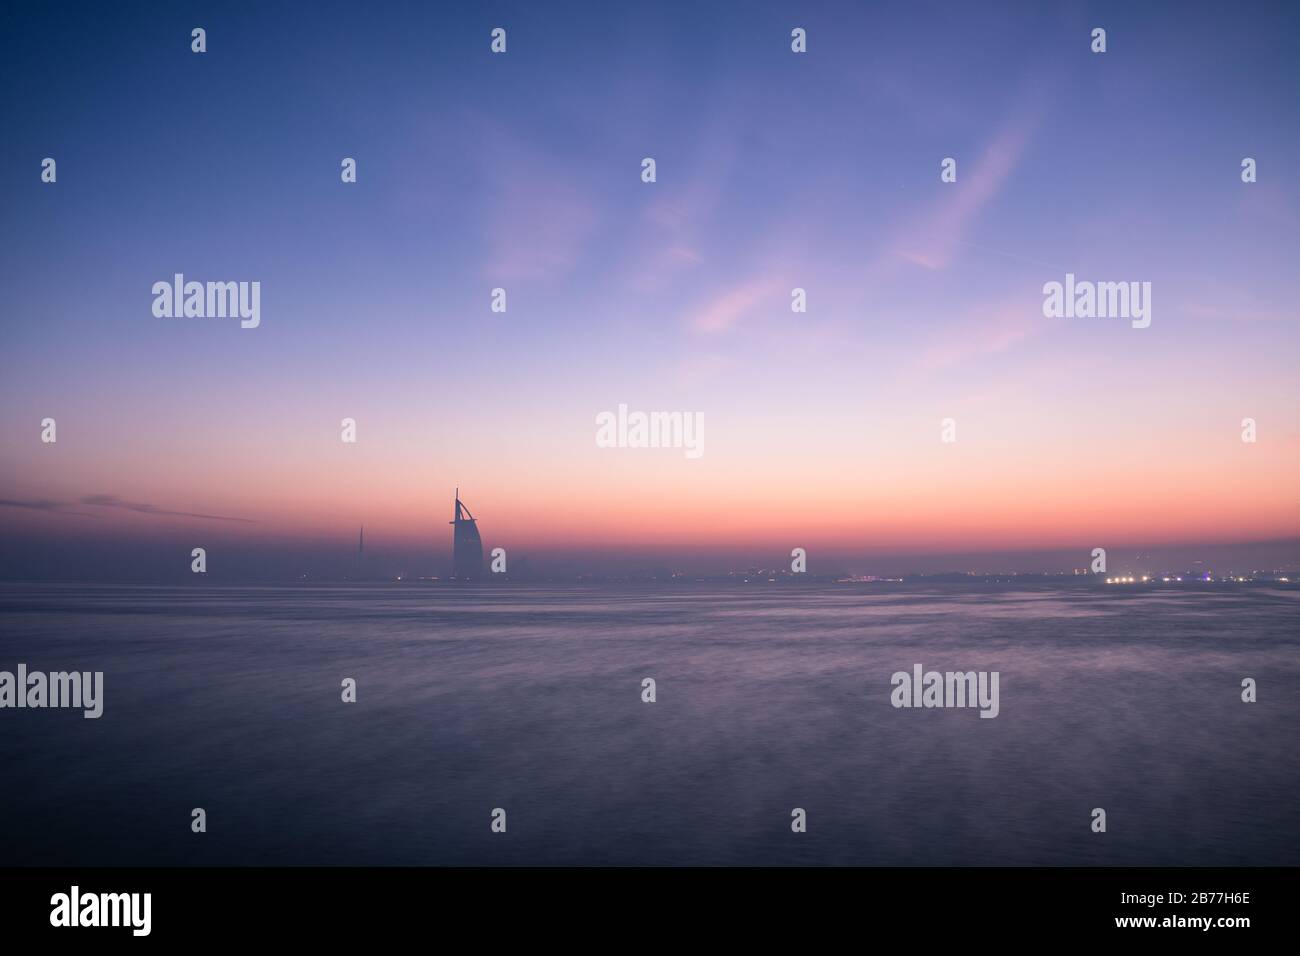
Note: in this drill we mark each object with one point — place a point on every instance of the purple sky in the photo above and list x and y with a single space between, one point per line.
775 170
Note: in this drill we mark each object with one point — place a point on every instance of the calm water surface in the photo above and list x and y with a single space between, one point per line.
769 697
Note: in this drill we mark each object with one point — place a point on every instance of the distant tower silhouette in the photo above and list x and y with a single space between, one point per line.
466 545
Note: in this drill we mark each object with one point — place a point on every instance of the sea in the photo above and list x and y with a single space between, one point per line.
509 725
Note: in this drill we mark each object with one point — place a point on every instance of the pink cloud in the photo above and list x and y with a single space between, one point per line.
983 331
932 242
722 312
539 219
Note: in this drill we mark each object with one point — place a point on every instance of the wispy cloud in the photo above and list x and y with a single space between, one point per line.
42 504
933 241
106 501
723 311
538 219
113 501
982 332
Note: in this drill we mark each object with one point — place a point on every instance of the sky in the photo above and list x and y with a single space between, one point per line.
523 171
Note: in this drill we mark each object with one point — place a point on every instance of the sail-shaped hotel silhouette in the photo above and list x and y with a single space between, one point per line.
466 545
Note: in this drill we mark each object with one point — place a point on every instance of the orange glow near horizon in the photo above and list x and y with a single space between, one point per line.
936 498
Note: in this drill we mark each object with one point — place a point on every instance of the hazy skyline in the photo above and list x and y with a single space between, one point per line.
774 171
